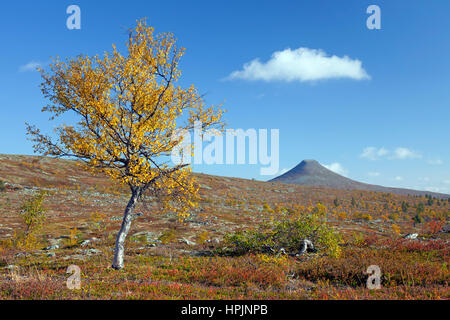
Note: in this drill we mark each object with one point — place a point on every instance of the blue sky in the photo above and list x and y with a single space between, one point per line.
389 127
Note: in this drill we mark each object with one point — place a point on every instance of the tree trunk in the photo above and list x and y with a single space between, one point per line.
126 225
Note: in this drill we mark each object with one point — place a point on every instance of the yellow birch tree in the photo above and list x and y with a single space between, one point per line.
129 108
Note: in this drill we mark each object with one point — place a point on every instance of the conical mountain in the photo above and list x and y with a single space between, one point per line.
312 173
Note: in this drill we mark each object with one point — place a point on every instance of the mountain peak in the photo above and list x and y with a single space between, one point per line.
310 172
307 172
309 161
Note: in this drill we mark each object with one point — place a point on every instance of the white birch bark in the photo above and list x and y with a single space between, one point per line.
119 250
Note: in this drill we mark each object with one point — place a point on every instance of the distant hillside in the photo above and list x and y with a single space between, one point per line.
311 173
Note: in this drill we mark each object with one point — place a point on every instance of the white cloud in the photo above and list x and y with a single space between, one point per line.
302 64
405 153
435 162
437 189
374 174
447 181
30 66
337 168
398 178
373 153
400 153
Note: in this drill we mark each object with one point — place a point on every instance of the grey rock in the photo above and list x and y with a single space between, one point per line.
53 247
215 240
22 254
446 229
75 257
199 223
91 252
188 242
148 235
55 242
85 243
411 236
150 245
306 246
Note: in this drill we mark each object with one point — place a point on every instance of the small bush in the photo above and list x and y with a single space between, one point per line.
396 229
33 217
203 237
287 233
74 238
98 221
2 186
434 226
394 216
168 236
417 218
420 208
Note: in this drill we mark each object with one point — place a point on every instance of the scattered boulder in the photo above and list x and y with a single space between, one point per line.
215 241
150 245
53 247
22 254
411 236
306 246
55 241
75 257
85 243
188 242
91 252
147 235
198 223
446 229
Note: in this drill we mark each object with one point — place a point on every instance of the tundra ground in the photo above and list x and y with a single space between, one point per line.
171 259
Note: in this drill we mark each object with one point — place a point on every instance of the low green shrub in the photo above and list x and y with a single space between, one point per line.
33 218
287 232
